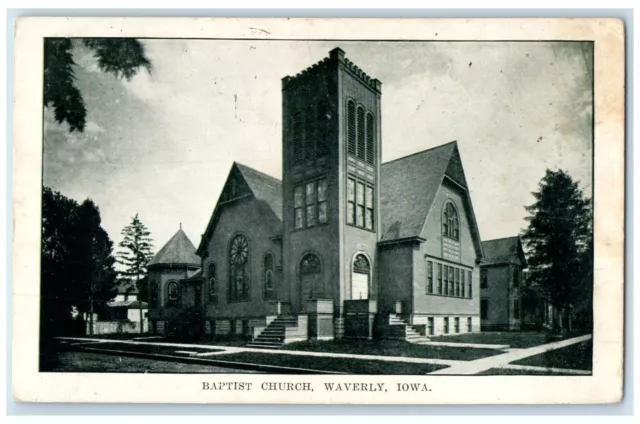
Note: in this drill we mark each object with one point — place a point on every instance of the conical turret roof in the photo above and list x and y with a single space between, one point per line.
178 251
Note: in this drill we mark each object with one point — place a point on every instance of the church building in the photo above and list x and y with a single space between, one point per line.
343 245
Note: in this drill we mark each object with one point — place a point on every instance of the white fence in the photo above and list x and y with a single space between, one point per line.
116 327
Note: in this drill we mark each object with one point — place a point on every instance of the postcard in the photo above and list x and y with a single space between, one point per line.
318 211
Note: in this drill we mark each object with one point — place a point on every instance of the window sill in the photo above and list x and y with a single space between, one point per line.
448 296
362 228
295 230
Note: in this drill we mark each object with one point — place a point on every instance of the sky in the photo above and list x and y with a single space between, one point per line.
161 145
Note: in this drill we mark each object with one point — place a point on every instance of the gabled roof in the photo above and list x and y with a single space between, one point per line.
409 188
247 180
178 251
264 187
503 251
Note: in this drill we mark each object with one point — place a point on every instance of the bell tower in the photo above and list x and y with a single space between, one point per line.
331 191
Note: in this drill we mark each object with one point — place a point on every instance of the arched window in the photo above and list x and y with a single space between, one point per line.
213 284
322 123
309 134
351 127
310 265
450 222
238 268
173 293
370 139
296 130
360 276
361 136
269 289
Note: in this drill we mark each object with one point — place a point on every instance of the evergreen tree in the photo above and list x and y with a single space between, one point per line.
122 57
136 253
559 238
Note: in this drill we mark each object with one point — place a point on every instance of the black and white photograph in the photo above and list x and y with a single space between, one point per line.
317 207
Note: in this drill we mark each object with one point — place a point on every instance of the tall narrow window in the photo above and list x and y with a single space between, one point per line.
370 139
173 293
213 284
298 201
238 269
439 278
351 127
516 276
269 289
360 133
450 223
470 286
351 201
369 208
463 286
322 121
296 129
456 321
429 277
431 326
451 282
309 134
457 278
446 280
360 205
322 201
311 199
484 280
446 325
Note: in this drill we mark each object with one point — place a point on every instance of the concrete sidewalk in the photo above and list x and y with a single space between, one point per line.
483 364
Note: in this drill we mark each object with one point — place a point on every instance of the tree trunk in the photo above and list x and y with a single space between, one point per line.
140 303
91 314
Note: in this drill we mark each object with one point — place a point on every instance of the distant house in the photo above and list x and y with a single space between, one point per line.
126 305
127 291
501 283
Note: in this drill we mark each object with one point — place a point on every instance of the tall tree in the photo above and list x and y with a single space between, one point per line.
97 266
559 238
77 265
136 252
122 57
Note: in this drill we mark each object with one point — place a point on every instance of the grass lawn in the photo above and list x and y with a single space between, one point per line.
577 356
506 371
94 362
392 348
514 339
162 350
123 336
345 365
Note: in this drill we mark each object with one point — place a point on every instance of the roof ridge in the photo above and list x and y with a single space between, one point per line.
420 152
242 165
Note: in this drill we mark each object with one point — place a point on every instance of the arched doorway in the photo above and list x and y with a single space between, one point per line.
360 277
311 285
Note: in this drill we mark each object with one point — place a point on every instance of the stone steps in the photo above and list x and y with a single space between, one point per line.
277 333
397 328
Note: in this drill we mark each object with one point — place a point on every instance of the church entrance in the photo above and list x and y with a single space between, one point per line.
360 277
311 284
